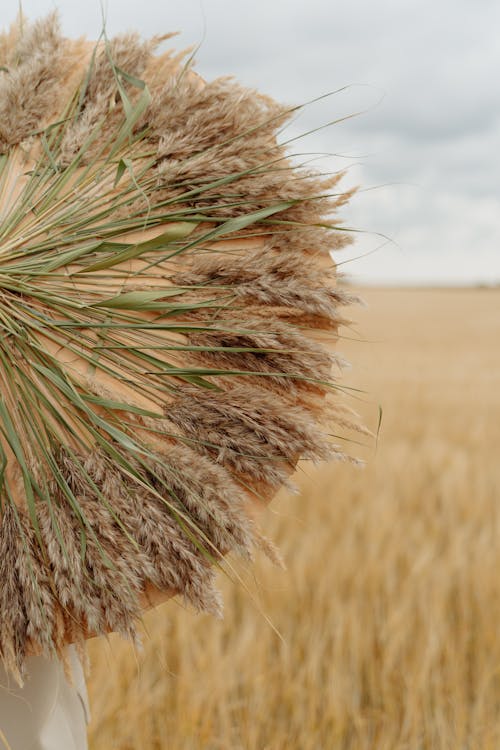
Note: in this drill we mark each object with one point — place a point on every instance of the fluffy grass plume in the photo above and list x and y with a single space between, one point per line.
166 301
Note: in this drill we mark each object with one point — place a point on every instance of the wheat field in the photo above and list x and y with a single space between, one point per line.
384 632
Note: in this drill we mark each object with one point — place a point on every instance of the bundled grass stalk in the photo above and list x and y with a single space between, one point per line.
164 277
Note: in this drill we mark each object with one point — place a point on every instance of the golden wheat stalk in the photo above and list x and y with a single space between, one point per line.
165 282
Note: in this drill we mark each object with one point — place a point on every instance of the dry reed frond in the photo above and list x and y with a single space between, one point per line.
162 283
247 430
33 69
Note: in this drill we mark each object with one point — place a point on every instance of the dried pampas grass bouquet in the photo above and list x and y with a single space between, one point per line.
168 310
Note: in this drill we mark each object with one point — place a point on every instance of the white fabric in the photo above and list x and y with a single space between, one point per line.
47 713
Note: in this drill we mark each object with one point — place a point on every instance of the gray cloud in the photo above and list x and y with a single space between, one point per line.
424 74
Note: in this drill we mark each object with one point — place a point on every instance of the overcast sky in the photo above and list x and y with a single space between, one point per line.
424 76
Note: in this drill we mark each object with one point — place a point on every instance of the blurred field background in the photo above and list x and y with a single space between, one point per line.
389 612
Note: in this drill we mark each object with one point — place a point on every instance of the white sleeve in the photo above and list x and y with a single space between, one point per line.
47 713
